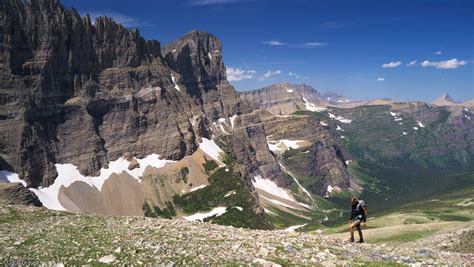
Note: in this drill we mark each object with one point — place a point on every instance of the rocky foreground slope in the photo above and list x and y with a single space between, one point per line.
31 236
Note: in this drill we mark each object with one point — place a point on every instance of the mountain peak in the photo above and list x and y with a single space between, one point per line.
444 100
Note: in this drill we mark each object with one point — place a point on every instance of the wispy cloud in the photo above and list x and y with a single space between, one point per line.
238 74
125 20
269 74
380 79
274 43
411 63
438 52
392 64
446 64
305 45
313 44
292 74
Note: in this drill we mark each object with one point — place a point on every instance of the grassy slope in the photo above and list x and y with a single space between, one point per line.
221 183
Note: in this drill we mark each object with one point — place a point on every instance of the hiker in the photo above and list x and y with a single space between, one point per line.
357 217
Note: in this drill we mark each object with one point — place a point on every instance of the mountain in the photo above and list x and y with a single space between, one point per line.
285 98
96 119
92 112
444 100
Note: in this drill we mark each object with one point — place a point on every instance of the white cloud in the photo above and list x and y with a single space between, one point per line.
314 44
125 20
412 63
269 74
274 43
380 79
392 64
238 74
292 74
446 64
438 52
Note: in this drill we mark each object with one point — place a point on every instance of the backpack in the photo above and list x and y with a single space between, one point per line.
364 206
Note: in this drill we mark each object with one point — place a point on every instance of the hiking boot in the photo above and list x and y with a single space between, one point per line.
350 239
360 241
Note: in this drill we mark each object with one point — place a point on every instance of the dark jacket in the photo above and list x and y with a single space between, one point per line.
357 212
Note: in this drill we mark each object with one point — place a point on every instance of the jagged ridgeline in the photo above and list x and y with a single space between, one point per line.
94 118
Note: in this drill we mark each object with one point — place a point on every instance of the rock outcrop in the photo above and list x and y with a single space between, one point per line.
17 194
85 93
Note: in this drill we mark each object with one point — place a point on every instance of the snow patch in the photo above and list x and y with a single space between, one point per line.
68 174
421 124
277 202
270 212
348 162
339 118
415 128
343 137
312 107
333 188
289 90
283 145
323 123
404 133
339 128
467 117
294 227
176 86
10 177
210 148
198 187
218 211
231 193
239 208
232 121
271 188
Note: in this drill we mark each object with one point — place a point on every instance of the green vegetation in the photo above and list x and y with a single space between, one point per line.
209 166
168 212
404 237
222 183
183 172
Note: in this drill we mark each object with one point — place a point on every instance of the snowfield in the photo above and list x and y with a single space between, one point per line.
198 187
283 145
211 148
312 107
218 211
271 188
68 174
339 118
9 177
294 227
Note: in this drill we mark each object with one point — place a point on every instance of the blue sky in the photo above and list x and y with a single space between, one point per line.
361 49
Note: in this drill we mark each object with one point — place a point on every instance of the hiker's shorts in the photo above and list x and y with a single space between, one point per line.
356 223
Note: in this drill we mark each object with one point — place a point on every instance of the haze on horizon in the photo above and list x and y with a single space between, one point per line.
404 50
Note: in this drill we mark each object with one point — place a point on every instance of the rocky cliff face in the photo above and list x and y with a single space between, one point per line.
83 93
284 98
